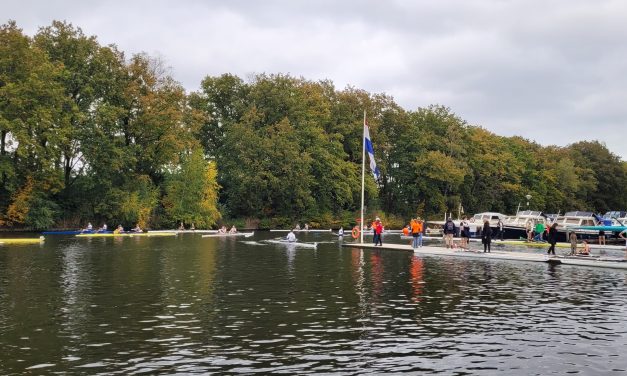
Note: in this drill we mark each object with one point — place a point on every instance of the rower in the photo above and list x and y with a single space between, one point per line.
181 227
137 228
119 230
89 227
340 232
103 228
222 230
291 237
585 251
297 227
233 230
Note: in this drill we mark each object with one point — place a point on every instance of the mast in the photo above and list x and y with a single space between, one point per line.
363 171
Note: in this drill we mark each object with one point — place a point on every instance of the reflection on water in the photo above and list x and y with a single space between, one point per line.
194 305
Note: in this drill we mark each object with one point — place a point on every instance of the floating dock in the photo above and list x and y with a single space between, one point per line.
591 261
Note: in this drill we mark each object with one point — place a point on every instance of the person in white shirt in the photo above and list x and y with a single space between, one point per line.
291 237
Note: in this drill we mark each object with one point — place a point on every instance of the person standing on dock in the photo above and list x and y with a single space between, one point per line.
499 230
449 232
573 243
416 233
486 236
552 238
539 231
378 230
464 232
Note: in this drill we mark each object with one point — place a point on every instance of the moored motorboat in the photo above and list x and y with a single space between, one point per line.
515 227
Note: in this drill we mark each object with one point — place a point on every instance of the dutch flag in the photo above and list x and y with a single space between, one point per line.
370 151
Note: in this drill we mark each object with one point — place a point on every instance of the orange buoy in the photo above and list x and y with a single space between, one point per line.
355 232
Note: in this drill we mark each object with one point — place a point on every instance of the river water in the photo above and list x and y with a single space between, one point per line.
187 304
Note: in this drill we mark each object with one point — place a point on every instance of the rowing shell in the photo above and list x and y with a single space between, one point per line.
187 231
301 230
297 244
126 234
22 240
244 234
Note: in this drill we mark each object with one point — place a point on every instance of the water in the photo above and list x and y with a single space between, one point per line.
188 305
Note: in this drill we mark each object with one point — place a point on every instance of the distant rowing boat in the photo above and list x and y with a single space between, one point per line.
244 234
22 240
187 231
297 244
75 232
301 230
126 234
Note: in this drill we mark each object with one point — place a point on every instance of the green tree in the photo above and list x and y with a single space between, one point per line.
192 192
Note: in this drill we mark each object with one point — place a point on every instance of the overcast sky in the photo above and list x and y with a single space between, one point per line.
553 71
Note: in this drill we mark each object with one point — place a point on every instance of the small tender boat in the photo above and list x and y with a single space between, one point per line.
244 234
21 240
296 244
126 234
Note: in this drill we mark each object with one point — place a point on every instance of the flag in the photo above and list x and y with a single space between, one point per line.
370 151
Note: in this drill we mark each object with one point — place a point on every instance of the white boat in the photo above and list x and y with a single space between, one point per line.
288 243
570 220
301 230
187 231
515 227
476 221
222 235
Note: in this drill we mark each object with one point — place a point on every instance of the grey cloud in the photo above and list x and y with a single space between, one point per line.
549 71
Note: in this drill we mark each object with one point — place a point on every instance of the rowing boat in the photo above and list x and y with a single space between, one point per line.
75 232
296 244
22 240
244 234
187 231
126 234
301 230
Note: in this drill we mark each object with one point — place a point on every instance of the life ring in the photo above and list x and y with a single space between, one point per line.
355 232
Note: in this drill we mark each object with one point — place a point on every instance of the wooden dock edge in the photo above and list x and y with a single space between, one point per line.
496 255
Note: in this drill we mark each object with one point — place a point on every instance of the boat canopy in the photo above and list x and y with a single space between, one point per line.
615 214
578 214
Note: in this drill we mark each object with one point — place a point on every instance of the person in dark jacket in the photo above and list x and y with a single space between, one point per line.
486 236
449 232
552 238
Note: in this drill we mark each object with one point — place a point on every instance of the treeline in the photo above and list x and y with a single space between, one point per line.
89 134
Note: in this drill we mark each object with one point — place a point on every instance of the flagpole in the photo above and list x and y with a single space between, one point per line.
363 172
